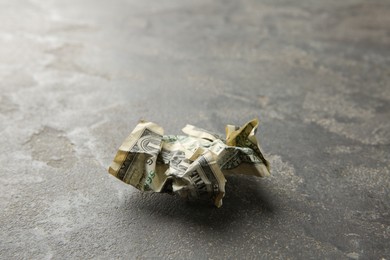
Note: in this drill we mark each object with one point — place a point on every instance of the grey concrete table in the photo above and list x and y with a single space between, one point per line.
76 76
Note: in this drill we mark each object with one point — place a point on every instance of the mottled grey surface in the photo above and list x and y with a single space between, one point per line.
76 76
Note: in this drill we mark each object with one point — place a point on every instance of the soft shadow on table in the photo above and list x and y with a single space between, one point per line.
245 196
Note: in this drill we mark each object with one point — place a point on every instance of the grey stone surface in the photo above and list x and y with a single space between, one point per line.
76 76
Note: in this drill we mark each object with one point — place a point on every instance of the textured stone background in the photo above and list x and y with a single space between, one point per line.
76 76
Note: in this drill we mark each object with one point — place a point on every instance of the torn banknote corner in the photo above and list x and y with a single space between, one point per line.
193 166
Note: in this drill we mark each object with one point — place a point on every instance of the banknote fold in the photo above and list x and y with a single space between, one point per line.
193 166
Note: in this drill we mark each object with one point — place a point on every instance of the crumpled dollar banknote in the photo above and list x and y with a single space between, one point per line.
192 165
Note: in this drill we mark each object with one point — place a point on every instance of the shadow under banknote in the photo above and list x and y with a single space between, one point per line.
245 196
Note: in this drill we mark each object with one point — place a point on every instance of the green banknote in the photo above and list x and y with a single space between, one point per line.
193 166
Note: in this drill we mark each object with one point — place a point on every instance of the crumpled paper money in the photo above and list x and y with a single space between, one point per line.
193 166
